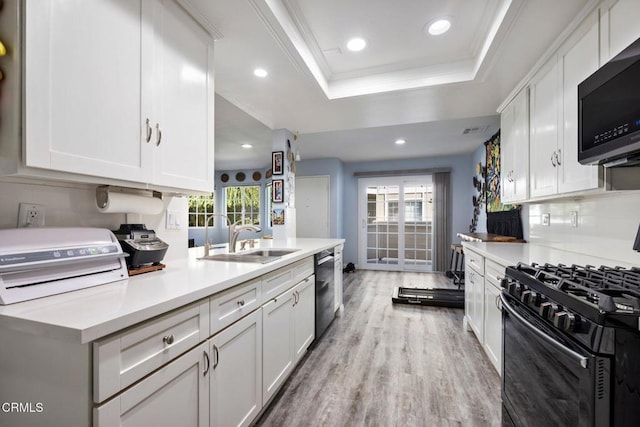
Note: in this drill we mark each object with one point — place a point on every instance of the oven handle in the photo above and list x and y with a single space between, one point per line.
584 362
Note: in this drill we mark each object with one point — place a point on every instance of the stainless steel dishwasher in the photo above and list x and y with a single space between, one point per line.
325 290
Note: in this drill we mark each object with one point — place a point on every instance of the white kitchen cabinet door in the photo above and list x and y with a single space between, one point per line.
619 21
83 107
277 343
543 140
474 301
492 326
304 316
183 115
236 372
579 58
494 273
175 395
514 149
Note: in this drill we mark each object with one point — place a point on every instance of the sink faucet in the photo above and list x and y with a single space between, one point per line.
206 230
234 232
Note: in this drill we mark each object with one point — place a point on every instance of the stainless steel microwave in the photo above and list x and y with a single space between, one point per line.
609 112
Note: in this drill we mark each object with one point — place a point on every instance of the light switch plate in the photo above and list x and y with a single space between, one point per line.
173 220
546 219
574 218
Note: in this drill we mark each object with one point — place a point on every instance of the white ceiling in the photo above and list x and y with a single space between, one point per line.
491 46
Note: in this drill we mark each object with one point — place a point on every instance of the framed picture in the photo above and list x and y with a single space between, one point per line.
277 162
278 217
277 190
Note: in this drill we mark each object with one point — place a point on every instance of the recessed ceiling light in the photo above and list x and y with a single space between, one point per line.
246 146
439 27
400 141
260 72
356 44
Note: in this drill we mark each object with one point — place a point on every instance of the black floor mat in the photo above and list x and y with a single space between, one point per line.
437 297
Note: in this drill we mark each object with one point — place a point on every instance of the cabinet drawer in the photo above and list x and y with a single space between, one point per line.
233 304
493 273
474 260
276 282
124 358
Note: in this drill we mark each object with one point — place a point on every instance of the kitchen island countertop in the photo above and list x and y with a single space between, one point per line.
88 314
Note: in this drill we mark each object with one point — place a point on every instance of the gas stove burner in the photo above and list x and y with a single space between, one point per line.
589 291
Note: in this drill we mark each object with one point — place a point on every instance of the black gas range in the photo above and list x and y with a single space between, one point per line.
571 345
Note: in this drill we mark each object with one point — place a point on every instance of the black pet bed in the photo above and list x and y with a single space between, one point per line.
453 298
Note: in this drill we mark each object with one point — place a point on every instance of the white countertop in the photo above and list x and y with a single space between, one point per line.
88 314
511 253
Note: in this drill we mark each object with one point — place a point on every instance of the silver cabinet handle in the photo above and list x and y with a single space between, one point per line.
498 303
553 159
168 339
149 131
158 134
558 154
206 356
241 302
215 358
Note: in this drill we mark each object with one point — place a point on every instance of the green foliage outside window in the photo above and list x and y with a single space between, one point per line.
200 208
243 204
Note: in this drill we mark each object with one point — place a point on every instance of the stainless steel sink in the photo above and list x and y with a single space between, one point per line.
269 252
259 256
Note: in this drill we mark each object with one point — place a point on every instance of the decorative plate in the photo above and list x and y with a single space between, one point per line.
240 176
224 177
257 176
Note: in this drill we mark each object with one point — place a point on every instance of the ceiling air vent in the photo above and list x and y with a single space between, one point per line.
475 130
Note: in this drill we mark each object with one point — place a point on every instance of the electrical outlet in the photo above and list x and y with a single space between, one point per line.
546 219
31 215
574 218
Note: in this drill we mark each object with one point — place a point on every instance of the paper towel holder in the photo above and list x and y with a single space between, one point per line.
102 193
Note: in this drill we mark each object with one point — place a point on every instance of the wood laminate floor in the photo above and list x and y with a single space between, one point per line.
384 364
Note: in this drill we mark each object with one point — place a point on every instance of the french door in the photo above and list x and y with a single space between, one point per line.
396 223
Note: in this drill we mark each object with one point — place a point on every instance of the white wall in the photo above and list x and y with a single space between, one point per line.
607 225
74 205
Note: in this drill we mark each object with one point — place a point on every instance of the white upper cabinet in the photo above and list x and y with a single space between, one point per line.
84 109
553 151
619 20
183 116
119 89
543 139
514 149
579 58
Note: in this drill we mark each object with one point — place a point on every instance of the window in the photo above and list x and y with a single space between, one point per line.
243 204
200 208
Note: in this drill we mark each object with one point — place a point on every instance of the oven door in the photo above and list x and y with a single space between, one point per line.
548 380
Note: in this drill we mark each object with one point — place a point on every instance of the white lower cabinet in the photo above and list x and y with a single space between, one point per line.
277 343
482 308
236 372
304 320
175 395
288 330
492 313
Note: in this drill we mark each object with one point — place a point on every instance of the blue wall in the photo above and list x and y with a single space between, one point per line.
335 169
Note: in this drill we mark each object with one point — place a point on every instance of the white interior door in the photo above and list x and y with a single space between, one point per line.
312 206
396 223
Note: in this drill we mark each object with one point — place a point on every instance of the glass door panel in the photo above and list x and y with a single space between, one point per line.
396 231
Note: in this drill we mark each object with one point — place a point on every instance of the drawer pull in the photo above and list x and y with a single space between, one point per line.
241 302
168 339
